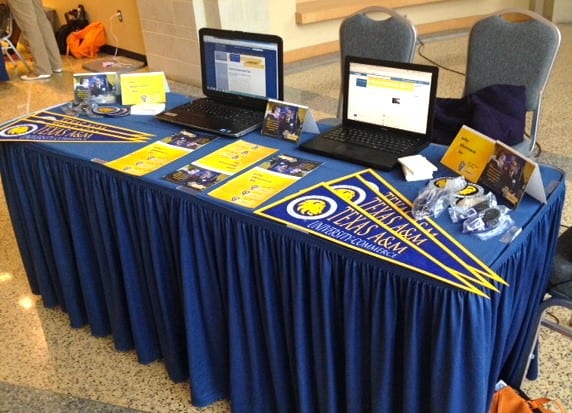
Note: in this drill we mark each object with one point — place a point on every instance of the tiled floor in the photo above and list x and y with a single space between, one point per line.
47 366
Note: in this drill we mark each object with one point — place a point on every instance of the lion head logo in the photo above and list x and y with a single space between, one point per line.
346 193
311 207
19 130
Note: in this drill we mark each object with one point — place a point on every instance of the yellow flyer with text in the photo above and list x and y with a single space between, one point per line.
148 158
234 157
259 184
253 187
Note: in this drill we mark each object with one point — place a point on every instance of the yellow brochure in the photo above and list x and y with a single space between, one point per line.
148 158
259 184
252 187
234 157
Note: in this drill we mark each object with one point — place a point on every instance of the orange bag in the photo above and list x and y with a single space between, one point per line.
508 400
87 41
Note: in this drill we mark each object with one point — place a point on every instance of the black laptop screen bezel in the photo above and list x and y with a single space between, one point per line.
433 70
234 98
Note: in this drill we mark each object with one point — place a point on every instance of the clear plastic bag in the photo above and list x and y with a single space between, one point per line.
432 200
469 207
489 222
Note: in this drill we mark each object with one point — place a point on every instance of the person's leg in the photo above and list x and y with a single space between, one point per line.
24 13
48 36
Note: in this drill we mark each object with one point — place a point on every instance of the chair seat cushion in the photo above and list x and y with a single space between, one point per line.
498 111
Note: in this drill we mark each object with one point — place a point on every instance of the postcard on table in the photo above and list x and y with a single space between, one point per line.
287 120
101 88
503 170
194 177
189 140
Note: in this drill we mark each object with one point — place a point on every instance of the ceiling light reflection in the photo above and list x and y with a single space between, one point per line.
26 302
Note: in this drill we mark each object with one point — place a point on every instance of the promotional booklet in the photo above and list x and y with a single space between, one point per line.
284 120
504 171
101 88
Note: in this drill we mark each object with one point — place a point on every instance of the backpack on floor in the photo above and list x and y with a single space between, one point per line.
510 400
87 41
76 19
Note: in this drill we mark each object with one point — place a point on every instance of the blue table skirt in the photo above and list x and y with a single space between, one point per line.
246 309
3 73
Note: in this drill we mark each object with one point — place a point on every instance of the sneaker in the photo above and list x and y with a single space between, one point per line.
60 70
35 77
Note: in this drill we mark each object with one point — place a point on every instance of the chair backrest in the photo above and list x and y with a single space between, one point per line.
521 51
392 37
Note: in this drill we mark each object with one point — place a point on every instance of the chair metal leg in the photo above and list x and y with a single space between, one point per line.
539 320
559 327
566 331
8 50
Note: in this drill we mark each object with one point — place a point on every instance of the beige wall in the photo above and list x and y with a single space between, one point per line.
127 34
281 14
166 30
169 27
561 11
170 32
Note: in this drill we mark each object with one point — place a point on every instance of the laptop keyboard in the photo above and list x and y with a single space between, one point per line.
214 109
379 140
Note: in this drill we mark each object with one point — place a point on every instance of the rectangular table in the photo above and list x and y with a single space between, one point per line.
244 308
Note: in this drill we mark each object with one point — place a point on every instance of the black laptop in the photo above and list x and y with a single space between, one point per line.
387 113
240 72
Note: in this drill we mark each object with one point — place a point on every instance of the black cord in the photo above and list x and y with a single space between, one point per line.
419 50
549 314
537 154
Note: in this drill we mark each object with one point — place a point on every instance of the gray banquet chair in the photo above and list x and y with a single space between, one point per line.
520 51
6 31
378 33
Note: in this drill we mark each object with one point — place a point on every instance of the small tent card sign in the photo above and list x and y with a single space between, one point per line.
285 120
494 165
143 88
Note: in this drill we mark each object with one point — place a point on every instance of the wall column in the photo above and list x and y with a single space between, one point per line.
170 28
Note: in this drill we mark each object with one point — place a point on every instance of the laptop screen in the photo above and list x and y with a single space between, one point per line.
397 96
244 64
